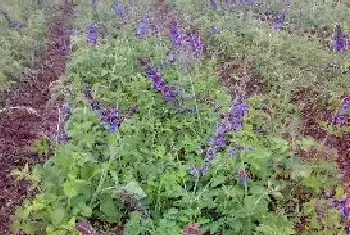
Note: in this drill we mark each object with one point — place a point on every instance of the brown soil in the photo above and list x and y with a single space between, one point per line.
20 127
337 149
238 76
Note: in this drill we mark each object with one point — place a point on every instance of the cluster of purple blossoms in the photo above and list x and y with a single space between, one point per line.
244 176
278 23
232 121
108 116
61 136
175 34
200 171
187 47
192 42
343 206
119 10
144 27
16 25
280 19
343 113
159 83
339 40
245 3
92 35
85 228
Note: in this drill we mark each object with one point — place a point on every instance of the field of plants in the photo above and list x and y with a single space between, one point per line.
175 117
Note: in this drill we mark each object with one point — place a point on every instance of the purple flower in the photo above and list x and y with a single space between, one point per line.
191 111
200 171
339 40
87 93
143 29
16 25
245 3
110 118
65 113
170 94
195 44
92 35
279 21
342 206
233 152
96 105
61 137
85 228
234 120
345 109
218 141
213 4
339 44
94 5
175 34
119 10
210 153
159 83
244 176
287 5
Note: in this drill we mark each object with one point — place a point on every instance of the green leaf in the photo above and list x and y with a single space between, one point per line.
70 189
109 208
57 215
307 143
135 189
133 227
312 182
219 179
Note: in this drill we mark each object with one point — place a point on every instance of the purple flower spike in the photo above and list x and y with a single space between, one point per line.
175 34
244 176
220 142
213 4
200 171
233 152
88 93
210 154
279 21
96 105
16 25
345 109
342 206
196 45
170 94
92 35
339 40
195 171
245 3
119 10
159 84
94 5
144 27
85 228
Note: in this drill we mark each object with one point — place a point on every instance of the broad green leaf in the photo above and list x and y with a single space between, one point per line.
57 215
135 189
70 189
